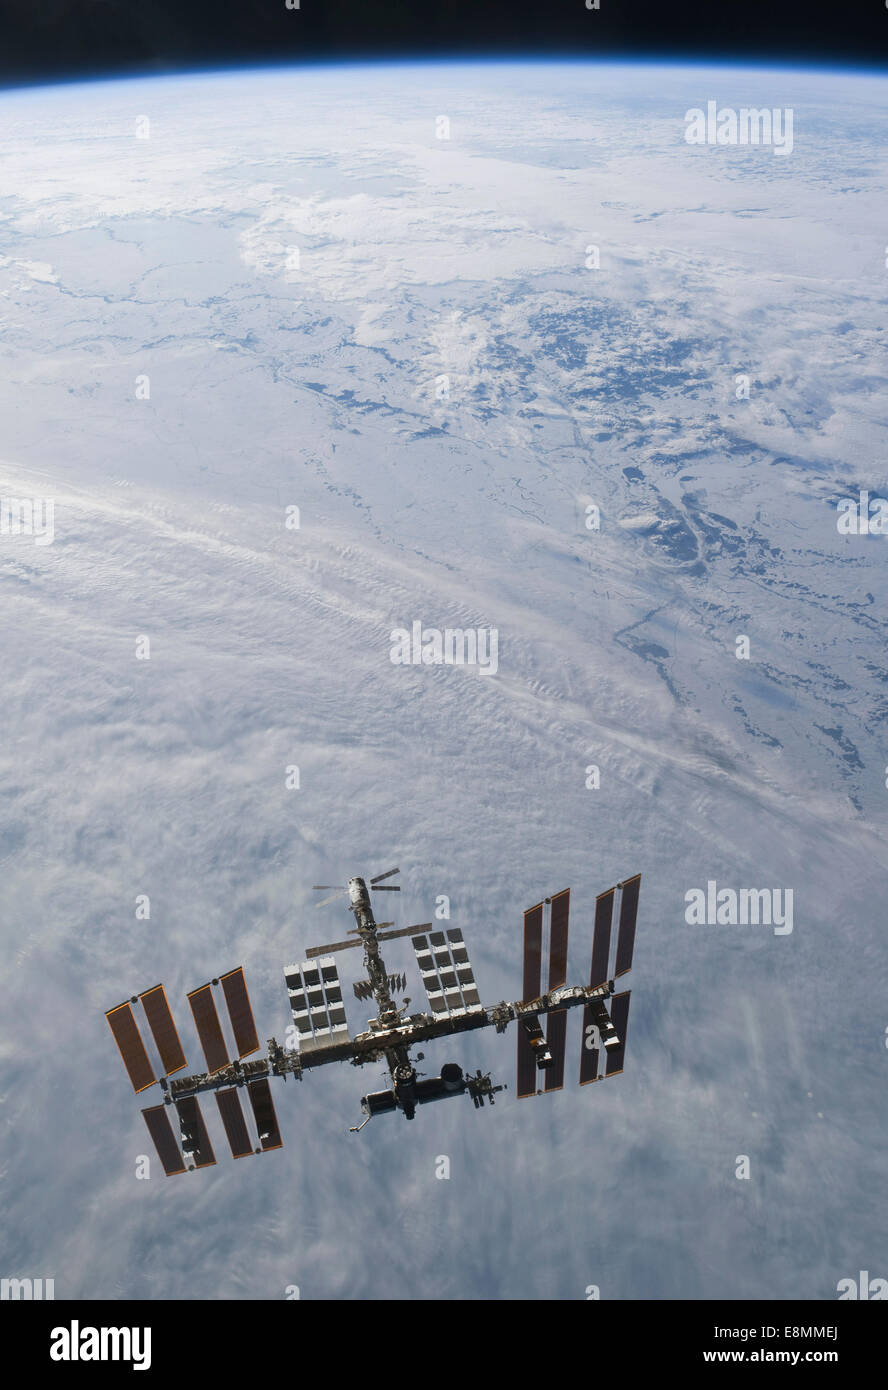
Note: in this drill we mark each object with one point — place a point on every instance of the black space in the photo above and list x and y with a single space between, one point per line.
50 39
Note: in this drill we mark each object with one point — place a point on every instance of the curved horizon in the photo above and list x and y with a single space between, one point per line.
457 59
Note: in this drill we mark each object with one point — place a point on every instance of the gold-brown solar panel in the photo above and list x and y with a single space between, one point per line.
132 1049
619 1012
161 1131
533 946
556 1025
533 952
163 1029
590 1048
243 1024
604 914
558 924
209 1029
628 915
234 1122
195 1139
263 1113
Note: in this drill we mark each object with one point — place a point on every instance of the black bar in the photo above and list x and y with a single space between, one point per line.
822 1325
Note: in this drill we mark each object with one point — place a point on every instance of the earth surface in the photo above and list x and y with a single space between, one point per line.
444 311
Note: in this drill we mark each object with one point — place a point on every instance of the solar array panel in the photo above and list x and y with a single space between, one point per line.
533 948
379 877
264 1115
163 1029
132 1049
243 1025
234 1122
602 1026
619 1012
604 914
618 1009
604 1022
161 1131
447 974
195 1140
314 951
209 1029
556 1024
402 931
533 953
316 999
166 1038
628 916
590 1049
464 972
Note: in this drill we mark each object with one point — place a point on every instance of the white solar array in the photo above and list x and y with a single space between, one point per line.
447 972
316 1000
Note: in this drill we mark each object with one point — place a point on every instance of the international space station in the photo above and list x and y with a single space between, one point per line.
320 1030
